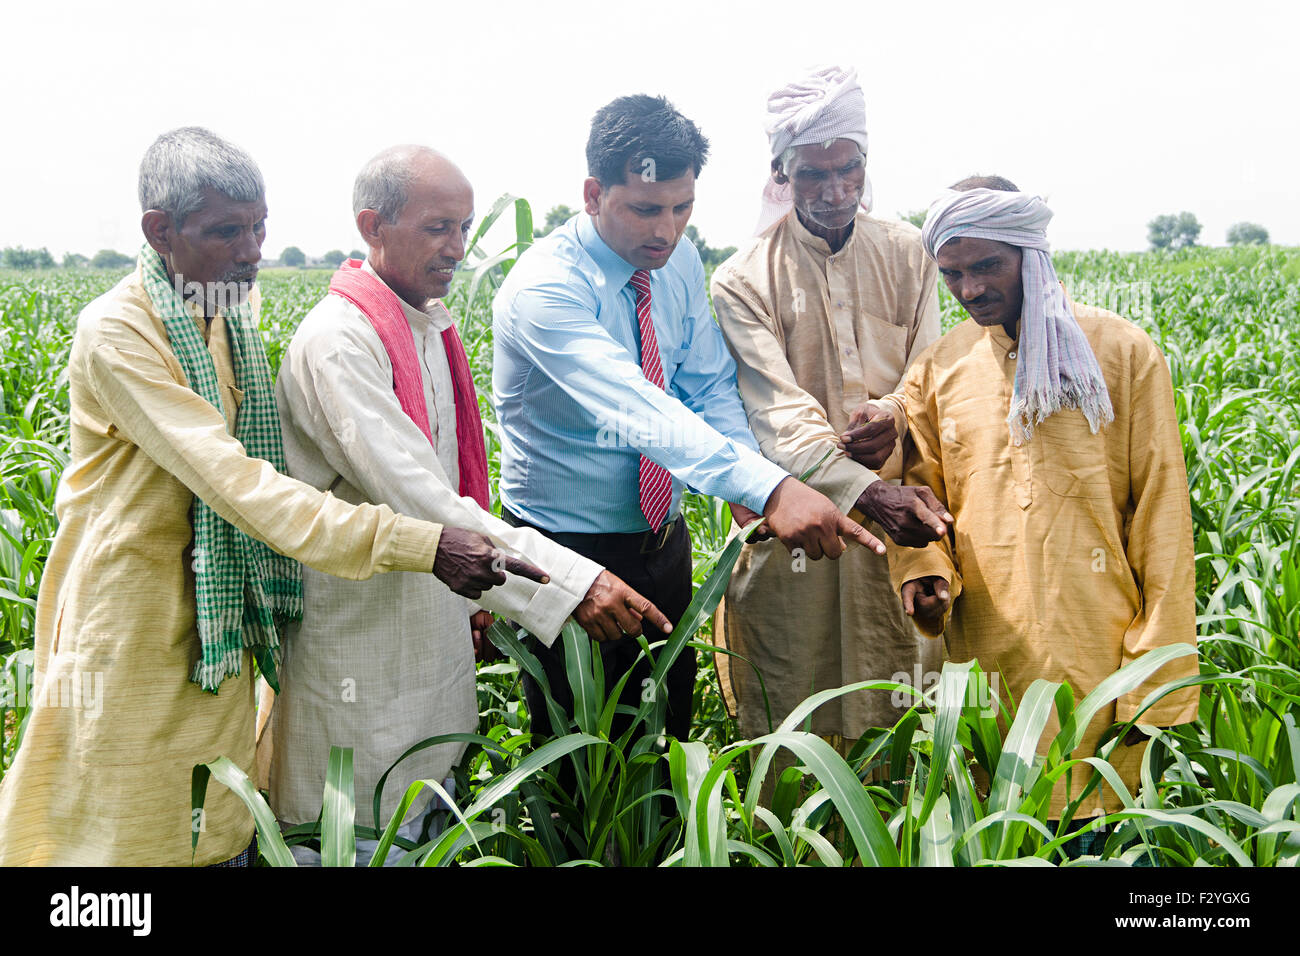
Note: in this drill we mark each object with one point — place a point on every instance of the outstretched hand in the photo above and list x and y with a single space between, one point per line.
804 518
612 610
469 563
910 514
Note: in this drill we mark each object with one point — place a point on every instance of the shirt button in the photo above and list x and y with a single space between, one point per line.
1011 355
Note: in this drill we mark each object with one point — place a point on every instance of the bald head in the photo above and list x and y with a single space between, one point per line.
384 181
414 208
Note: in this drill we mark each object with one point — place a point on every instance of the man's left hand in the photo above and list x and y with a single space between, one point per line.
484 649
872 435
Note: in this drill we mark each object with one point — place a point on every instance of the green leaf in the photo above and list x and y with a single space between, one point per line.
338 845
226 772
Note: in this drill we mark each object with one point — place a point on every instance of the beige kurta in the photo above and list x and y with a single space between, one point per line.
382 664
1074 550
104 778
815 334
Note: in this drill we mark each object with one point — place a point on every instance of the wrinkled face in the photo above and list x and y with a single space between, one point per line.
220 245
641 220
984 276
828 183
417 253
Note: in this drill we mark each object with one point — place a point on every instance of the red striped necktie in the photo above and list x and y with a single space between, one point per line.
656 483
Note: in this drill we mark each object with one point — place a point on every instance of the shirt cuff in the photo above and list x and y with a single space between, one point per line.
843 481
551 605
412 547
754 478
908 564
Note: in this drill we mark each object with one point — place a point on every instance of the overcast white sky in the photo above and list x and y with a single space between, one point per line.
1116 111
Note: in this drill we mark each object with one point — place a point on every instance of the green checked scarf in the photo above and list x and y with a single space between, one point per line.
244 590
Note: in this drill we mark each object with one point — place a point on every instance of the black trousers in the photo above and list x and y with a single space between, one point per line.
664 577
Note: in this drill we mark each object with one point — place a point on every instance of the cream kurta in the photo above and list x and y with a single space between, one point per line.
382 664
814 335
104 779
1074 550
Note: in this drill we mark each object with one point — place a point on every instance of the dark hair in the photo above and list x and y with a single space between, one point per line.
633 129
986 182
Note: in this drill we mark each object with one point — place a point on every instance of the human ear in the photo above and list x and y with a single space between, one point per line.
368 222
157 228
591 193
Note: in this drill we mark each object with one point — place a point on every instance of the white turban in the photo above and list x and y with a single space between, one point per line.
1056 368
825 105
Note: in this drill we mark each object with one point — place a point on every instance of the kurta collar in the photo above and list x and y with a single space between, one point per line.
437 317
617 269
816 243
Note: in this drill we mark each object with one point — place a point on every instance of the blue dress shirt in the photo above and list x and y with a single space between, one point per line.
574 408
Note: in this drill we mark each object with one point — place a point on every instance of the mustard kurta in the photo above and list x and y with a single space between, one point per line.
103 778
1074 550
815 334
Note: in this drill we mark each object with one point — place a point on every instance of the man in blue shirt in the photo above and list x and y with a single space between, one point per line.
600 431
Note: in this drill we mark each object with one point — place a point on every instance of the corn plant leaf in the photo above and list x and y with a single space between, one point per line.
227 772
338 845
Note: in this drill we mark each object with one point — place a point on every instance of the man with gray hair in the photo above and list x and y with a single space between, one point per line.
176 558
377 405
823 312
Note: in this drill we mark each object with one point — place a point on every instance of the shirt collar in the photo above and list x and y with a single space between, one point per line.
437 317
617 269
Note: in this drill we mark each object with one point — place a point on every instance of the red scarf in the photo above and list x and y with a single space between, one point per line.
383 308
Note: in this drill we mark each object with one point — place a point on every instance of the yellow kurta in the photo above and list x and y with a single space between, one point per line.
1073 551
103 778
815 334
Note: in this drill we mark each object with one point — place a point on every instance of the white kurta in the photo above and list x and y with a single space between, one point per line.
379 668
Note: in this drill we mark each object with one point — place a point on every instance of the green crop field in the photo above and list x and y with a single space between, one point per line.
1220 791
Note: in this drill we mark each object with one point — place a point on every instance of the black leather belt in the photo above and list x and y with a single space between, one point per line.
636 542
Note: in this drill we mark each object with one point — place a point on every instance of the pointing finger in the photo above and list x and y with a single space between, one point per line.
861 535
525 570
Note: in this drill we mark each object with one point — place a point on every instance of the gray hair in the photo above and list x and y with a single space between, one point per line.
183 162
382 183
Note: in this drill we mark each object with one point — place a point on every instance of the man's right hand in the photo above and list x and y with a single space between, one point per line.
804 518
612 610
926 598
469 563
911 515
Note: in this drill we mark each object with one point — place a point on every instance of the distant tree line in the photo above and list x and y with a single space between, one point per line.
1169 231
1181 232
16 257
295 258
